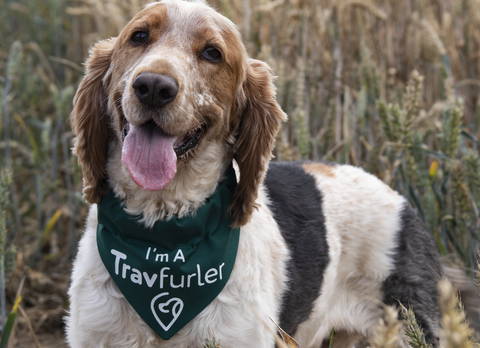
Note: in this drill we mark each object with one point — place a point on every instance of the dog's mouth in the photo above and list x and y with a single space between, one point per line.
150 154
189 141
182 146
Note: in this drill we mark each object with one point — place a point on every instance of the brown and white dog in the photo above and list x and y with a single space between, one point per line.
162 111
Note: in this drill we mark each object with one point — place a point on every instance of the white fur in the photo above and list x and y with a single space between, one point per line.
362 217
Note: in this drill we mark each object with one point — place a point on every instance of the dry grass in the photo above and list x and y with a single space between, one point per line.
455 332
389 85
389 331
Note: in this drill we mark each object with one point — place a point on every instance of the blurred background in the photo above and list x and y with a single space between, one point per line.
388 85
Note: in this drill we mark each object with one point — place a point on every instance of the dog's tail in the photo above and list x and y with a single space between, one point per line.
469 293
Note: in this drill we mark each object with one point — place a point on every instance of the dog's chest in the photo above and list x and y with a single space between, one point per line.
242 314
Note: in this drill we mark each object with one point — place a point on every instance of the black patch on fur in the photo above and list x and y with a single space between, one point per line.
296 204
414 280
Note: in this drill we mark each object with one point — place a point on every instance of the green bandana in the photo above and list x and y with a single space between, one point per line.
169 273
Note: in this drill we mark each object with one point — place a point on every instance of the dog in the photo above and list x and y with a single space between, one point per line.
163 111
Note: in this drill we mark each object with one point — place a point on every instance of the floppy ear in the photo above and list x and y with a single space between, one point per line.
258 127
90 122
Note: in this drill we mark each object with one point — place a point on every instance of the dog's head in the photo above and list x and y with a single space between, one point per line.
174 94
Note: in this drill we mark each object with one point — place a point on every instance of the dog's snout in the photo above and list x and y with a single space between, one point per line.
155 90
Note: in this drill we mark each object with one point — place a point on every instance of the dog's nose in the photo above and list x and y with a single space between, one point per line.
155 90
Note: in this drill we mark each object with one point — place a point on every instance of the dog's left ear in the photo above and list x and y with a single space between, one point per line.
259 122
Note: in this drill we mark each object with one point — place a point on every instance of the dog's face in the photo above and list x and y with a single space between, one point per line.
174 86
176 68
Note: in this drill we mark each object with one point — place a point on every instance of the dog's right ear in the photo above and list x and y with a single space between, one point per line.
90 121
259 122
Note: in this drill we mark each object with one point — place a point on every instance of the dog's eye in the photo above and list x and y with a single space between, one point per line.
139 37
211 54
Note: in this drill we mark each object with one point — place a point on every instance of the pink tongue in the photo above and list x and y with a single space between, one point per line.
149 156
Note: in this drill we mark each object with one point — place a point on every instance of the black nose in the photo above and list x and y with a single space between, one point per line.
155 90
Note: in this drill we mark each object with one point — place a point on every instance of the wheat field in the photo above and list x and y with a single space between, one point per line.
389 85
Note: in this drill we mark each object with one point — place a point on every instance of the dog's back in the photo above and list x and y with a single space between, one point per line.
354 243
